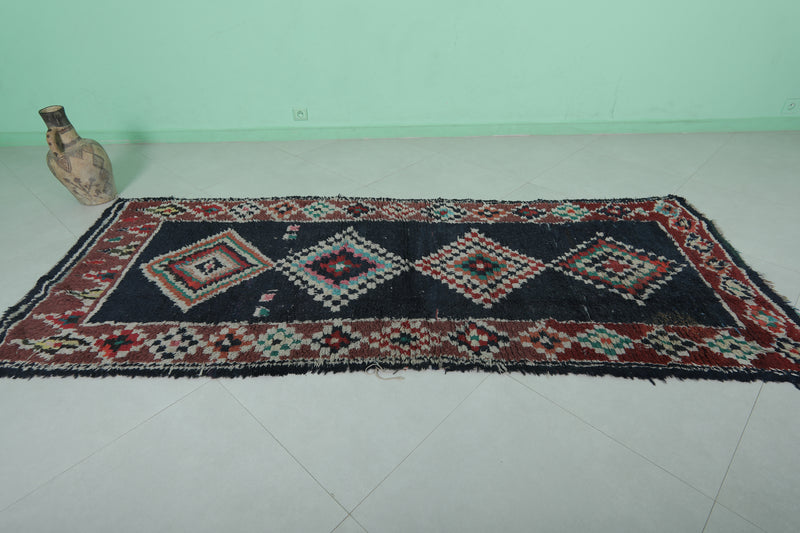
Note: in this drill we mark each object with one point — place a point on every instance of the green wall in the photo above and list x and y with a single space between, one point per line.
164 70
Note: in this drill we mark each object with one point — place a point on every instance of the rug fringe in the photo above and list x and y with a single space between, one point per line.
651 373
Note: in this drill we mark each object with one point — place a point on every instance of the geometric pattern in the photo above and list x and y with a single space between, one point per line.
547 341
245 211
208 210
335 341
61 344
484 301
143 229
69 320
341 268
667 208
282 210
119 343
397 211
489 212
605 263
175 344
319 209
103 276
86 295
735 347
715 263
570 211
404 339
529 212
684 224
445 211
166 210
697 243
279 342
788 348
359 209
478 339
768 320
616 210
229 343
670 344
122 251
195 273
479 268
737 288
605 342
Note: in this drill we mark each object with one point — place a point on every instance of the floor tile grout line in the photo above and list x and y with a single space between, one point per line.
340 174
336 172
359 523
10 172
345 520
702 165
424 439
529 179
104 446
570 155
595 139
285 448
428 155
163 167
400 169
326 169
44 204
676 174
714 506
733 456
509 197
353 518
627 447
323 143
753 258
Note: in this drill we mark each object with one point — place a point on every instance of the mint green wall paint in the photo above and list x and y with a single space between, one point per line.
177 71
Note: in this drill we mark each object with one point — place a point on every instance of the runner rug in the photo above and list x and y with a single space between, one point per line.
637 288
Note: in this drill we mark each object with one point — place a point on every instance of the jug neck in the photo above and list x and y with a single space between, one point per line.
54 116
57 122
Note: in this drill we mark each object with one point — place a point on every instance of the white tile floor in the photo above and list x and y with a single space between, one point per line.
433 452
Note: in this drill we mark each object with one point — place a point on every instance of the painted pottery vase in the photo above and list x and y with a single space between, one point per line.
80 164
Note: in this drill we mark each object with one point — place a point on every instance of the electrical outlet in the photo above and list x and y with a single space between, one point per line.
791 107
300 113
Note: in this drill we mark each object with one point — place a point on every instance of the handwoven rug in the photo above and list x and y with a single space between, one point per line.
234 287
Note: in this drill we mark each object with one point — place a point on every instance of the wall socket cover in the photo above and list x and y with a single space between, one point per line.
300 113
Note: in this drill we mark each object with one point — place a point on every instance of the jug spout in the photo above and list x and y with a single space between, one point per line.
54 116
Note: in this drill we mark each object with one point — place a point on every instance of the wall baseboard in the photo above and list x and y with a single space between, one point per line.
390 132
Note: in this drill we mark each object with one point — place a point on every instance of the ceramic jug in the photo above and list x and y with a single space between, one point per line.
80 164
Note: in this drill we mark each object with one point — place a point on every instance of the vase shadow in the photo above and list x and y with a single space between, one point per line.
129 160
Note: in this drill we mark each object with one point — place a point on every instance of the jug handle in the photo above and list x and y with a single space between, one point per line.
54 141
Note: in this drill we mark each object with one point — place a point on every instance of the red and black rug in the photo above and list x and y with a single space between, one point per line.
637 288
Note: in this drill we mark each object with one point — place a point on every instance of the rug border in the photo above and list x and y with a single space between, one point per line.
638 371
762 283
39 290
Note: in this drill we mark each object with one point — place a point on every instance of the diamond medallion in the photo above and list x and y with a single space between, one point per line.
479 268
605 263
204 269
341 268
